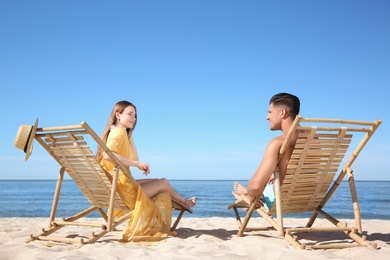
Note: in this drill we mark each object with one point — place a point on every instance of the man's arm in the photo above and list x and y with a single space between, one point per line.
263 173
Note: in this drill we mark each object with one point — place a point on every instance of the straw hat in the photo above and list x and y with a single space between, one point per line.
25 137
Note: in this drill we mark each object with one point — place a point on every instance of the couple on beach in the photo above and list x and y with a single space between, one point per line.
117 135
151 205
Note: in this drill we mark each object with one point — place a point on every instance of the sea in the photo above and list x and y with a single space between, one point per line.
33 198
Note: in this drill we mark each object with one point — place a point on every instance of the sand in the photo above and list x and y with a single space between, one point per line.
197 238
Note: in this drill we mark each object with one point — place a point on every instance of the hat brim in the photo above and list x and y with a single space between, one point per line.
31 140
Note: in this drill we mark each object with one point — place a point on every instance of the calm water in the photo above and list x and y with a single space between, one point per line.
24 198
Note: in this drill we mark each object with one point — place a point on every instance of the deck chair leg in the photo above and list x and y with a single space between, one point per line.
351 232
269 219
246 219
326 198
355 202
173 228
278 198
110 211
238 218
293 240
312 219
103 214
56 196
56 225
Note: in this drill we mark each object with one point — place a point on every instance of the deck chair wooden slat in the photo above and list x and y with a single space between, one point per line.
311 179
68 145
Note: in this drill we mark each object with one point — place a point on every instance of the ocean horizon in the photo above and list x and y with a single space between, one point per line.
33 198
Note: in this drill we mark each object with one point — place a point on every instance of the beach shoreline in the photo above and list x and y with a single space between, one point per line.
211 238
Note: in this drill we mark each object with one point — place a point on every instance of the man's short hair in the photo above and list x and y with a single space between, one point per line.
290 101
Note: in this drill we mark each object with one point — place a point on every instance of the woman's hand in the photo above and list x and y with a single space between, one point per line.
144 166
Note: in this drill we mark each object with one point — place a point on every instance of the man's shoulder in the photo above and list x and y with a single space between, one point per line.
276 142
278 139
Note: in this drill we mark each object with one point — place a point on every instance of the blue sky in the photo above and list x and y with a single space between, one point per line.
200 73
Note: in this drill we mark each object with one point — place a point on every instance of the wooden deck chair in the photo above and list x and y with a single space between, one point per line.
311 180
68 146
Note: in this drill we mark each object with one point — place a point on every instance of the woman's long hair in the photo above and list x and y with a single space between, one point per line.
118 107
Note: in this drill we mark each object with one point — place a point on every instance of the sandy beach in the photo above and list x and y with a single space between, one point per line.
211 238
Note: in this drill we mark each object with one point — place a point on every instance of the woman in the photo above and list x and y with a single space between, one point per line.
152 204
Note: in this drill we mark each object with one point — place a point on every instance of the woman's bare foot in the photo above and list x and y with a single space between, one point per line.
190 202
239 189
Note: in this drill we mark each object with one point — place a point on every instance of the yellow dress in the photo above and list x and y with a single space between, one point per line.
151 219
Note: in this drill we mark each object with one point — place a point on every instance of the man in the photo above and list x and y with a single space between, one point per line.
283 108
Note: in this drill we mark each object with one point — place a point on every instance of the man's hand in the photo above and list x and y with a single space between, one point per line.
259 203
271 179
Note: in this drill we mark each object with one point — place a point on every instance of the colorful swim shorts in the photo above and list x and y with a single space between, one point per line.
269 196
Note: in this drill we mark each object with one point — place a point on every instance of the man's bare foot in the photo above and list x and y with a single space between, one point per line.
238 188
236 195
190 202
239 198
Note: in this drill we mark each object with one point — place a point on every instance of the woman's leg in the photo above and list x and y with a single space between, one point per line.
141 181
155 186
